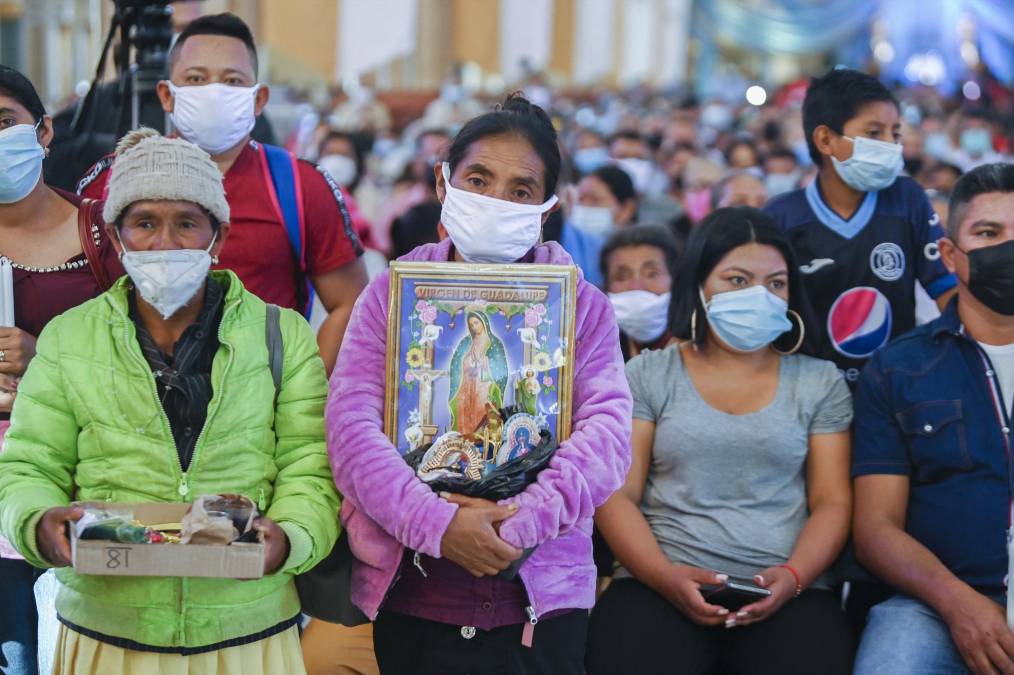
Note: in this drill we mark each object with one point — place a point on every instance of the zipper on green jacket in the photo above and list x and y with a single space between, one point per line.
183 487
212 413
135 351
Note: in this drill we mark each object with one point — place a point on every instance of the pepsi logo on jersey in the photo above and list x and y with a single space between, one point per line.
859 322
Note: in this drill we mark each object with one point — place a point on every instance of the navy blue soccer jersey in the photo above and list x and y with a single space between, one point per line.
860 273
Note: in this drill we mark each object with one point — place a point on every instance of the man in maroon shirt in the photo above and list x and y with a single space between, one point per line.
214 97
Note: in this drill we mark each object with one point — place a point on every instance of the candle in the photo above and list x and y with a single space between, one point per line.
6 293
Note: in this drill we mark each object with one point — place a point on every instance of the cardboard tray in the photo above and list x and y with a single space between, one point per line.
235 561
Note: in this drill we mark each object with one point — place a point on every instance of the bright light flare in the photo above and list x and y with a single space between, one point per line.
756 95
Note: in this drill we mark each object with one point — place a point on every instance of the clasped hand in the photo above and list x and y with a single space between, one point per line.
473 541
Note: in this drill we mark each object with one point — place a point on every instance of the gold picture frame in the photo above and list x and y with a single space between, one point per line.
460 335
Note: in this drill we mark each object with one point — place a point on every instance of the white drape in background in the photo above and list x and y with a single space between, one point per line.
675 42
526 34
372 33
593 40
640 33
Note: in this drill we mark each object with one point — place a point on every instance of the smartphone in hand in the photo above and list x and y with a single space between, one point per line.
733 594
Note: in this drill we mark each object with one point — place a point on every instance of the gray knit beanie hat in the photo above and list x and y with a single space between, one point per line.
150 166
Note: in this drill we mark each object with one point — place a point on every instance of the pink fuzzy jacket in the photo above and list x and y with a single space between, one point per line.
386 508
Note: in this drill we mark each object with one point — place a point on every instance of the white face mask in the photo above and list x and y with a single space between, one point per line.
167 280
640 171
873 166
596 220
215 117
778 183
488 230
342 168
642 315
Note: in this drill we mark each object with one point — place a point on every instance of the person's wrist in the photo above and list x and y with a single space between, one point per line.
659 577
797 580
949 599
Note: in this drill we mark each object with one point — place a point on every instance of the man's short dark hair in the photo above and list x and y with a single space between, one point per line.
781 152
836 98
225 24
626 135
998 177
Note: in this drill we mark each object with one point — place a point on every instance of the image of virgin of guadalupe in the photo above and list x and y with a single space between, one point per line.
478 374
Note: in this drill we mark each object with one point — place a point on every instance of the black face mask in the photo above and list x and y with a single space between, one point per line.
991 276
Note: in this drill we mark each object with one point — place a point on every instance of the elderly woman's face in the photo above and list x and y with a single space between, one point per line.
503 167
638 268
164 225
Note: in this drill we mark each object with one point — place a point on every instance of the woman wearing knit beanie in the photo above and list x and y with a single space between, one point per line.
160 390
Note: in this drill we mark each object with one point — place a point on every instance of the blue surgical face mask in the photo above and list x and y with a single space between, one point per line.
937 144
976 142
778 183
749 319
873 166
587 160
21 161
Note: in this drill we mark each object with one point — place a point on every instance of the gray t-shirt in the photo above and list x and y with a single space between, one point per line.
728 492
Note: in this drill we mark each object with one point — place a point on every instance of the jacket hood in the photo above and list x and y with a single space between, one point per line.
546 253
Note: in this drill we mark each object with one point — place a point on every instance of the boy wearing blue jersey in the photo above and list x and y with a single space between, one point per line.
863 235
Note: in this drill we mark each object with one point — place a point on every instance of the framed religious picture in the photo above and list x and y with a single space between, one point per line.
462 336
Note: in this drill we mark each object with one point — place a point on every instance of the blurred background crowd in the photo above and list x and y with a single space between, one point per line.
666 108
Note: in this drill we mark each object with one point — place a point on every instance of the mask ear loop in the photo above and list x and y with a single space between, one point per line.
214 258
693 319
38 125
123 247
799 342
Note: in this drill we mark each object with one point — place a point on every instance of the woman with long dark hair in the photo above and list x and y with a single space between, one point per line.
740 470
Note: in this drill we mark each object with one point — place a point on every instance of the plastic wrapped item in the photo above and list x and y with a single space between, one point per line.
497 482
240 509
217 519
109 524
120 530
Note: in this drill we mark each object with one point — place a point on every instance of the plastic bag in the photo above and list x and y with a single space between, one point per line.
217 519
110 524
506 480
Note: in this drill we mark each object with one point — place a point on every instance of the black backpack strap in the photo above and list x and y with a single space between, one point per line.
276 349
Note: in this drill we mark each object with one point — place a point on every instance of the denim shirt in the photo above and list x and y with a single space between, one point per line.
924 408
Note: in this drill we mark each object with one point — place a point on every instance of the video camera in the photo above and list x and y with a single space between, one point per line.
145 29
88 131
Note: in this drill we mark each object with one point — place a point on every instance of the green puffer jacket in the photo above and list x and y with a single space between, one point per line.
88 425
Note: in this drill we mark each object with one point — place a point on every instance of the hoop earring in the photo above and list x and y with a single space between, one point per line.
799 342
693 329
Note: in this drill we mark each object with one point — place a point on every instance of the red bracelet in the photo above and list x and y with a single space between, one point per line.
799 584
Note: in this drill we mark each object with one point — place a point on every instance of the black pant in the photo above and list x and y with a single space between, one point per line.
635 630
19 621
410 646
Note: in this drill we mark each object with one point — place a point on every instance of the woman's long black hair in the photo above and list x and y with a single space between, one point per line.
717 235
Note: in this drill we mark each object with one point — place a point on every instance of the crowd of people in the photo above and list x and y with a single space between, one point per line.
793 370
